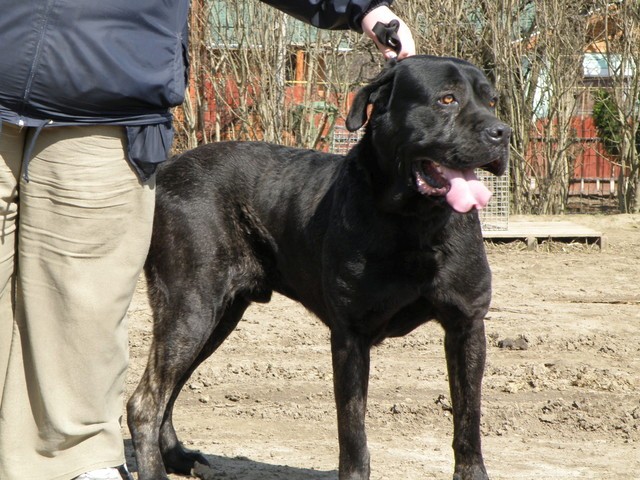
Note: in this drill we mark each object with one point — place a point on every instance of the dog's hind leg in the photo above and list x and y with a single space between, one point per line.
171 355
183 337
351 356
178 459
465 347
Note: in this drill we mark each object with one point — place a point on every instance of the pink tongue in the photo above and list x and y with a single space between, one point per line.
466 190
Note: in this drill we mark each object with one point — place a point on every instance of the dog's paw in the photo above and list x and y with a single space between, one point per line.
471 472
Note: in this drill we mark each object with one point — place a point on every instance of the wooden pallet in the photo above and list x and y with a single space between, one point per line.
533 232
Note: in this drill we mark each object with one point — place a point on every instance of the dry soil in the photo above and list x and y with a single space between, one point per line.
561 392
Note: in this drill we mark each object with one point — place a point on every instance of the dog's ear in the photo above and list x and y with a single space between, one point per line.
357 115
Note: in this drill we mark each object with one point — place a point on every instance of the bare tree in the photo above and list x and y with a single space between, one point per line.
619 37
509 53
562 38
534 49
189 116
258 74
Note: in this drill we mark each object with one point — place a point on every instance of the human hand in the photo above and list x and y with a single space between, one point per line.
384 15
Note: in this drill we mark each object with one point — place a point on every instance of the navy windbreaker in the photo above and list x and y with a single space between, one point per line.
118 62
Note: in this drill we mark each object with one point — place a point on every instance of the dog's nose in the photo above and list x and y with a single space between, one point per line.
499 133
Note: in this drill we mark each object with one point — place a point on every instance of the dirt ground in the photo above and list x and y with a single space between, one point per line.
561 392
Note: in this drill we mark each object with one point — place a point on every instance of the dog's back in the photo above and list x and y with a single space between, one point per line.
257 199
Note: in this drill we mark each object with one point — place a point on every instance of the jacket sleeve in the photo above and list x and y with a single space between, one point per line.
328 14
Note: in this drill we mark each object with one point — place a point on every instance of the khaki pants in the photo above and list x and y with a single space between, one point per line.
73 240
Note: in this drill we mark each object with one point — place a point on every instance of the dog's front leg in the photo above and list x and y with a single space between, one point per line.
465 348
350 354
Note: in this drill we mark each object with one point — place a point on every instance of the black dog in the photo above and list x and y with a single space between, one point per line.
375 244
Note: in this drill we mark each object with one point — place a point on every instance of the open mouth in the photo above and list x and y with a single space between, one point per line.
461 188
429 178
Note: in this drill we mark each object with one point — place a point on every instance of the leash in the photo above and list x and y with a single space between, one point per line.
387 34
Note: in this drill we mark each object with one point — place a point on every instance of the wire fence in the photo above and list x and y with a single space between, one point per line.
495 216
342 139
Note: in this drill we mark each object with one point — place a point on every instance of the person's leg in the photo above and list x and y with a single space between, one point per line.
84 230
11 147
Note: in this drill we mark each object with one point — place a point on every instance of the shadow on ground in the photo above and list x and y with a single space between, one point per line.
242 468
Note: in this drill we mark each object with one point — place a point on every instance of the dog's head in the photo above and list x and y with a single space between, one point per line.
431 124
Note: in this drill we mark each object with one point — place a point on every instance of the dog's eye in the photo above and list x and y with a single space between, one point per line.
493 102
448 99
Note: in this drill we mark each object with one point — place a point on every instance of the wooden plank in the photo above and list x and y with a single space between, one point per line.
532 232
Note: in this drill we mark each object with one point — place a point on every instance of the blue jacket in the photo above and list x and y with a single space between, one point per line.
118 62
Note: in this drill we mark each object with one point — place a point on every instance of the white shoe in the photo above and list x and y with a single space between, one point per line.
101 474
